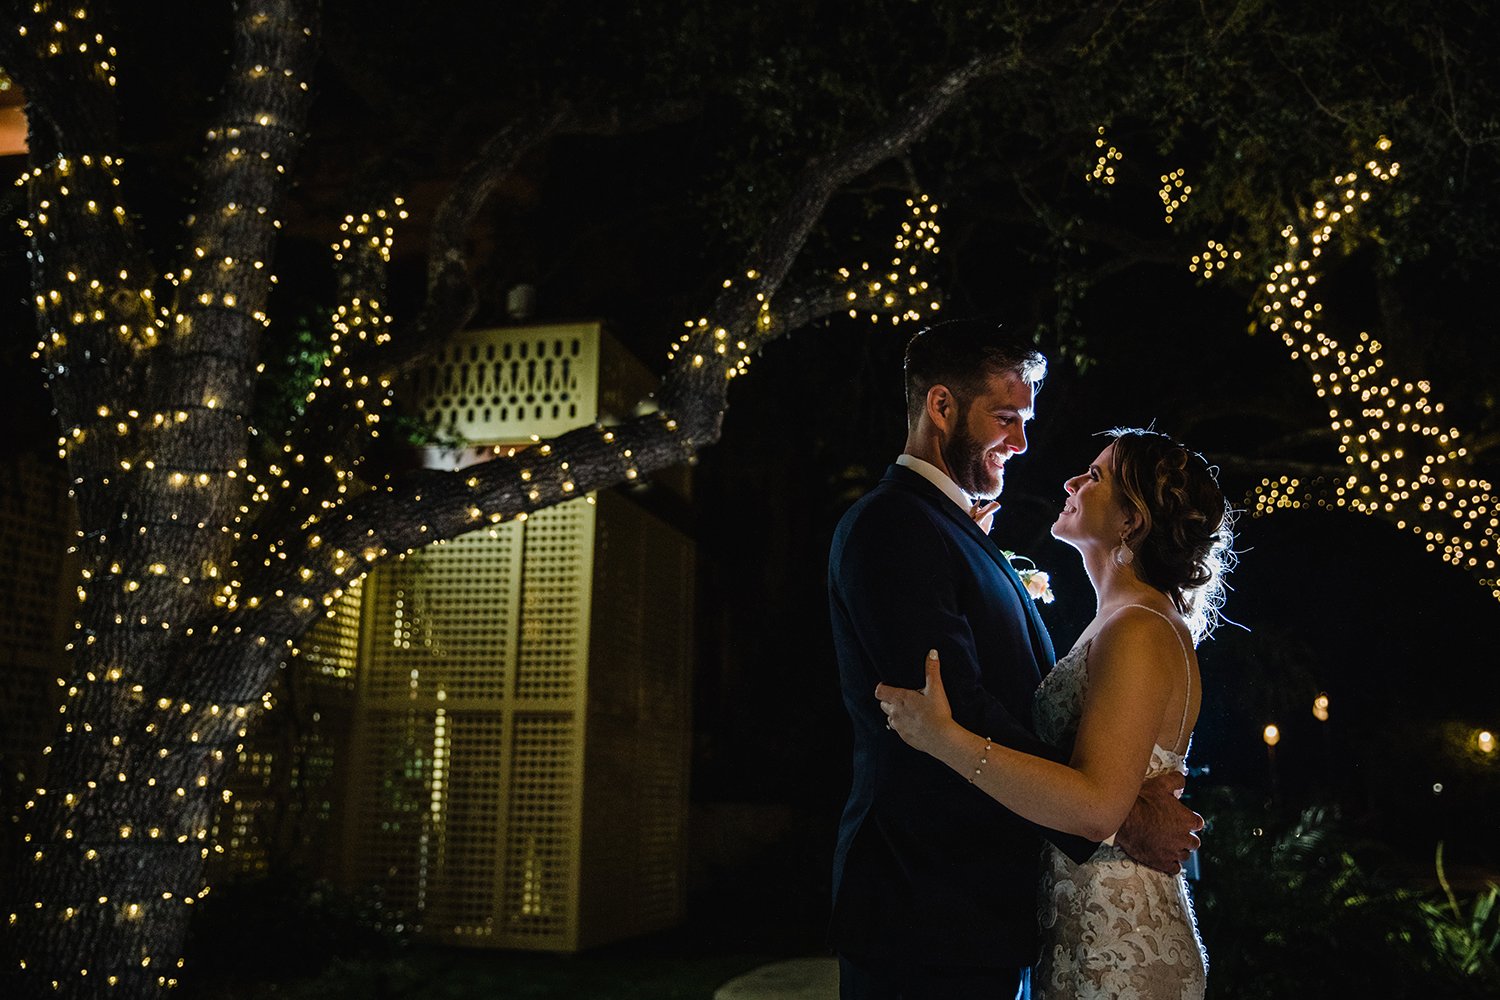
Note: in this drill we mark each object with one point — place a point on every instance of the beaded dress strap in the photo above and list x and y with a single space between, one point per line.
1187 664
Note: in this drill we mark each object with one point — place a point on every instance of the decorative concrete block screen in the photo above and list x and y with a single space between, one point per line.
502 386
289 781
517 772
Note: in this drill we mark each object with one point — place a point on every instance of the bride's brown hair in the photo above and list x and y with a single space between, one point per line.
1183 545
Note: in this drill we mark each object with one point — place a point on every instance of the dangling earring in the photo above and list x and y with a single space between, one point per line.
1123 555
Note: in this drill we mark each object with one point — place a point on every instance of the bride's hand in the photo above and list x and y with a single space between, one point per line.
918 717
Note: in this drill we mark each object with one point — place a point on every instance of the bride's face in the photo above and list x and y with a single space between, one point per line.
1092 515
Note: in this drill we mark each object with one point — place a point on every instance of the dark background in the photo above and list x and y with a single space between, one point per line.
1329 602
639 231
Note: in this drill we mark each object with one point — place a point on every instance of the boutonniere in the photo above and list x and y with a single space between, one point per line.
1037 582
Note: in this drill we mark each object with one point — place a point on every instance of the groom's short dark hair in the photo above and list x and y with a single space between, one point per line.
961 354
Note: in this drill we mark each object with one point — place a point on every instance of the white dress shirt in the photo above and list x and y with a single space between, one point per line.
944 482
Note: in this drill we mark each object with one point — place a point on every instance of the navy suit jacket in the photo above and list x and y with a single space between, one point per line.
928 869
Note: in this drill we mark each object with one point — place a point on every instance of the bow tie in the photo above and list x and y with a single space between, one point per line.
983 513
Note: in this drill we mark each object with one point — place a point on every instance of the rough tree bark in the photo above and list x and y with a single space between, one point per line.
201 564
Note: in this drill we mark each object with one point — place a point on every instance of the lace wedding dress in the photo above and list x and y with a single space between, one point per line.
1111 928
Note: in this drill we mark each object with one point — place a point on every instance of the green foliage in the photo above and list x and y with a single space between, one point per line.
1261 103
1466 942
294 364
293 367
1293 905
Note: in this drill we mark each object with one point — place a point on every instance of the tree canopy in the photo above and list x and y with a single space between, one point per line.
655 162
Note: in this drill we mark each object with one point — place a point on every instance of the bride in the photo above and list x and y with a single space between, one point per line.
1153 529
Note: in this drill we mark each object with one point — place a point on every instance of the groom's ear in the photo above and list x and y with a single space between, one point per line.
941 407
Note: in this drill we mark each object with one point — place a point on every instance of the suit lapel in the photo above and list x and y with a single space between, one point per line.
1041 642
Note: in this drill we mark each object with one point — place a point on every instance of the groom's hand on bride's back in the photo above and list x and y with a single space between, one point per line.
1160 831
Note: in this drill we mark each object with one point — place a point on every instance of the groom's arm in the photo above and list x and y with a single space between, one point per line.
898 585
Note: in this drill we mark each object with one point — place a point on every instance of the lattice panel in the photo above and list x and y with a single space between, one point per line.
330 650
427 819
635 803
463 877
317 785
555 602
245 826
443 622
36 574
32 540
541 843
643 612
390 813
661 820
505 385
479 833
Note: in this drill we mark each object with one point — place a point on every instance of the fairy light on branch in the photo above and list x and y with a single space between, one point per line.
315 469
1174 192
67 34
361 318
1214 257
129 576
75 297
1405 463
899 291
1104 165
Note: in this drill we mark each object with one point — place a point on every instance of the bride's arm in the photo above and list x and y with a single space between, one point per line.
1130 682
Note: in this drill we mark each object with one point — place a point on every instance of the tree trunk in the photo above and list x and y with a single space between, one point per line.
116 841
200 569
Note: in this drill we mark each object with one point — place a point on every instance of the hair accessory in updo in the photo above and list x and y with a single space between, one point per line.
1183 547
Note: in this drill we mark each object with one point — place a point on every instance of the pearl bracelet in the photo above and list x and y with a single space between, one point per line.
984 758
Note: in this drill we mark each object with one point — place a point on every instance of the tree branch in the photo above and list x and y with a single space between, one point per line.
450 298
424 507
68 77
420 508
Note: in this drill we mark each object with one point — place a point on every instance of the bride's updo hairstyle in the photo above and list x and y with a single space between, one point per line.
1183 549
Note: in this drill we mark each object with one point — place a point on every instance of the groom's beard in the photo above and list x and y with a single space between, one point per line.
968 463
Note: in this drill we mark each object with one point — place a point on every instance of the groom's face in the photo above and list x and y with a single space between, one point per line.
987 431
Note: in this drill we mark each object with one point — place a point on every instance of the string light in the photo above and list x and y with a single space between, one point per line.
1405 462
155 755
1212 259
1104 170
1174 192
898 291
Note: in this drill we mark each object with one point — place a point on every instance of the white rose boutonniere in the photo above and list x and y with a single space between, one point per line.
1037 582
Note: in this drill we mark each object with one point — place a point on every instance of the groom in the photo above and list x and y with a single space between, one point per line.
934 883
